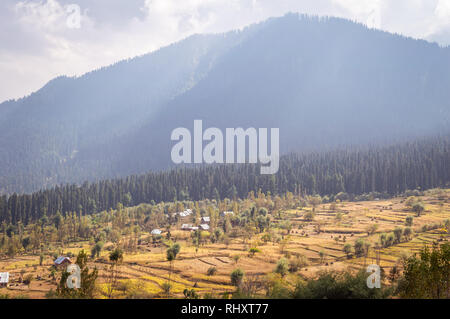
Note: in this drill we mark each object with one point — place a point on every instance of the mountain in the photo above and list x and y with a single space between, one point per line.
323 82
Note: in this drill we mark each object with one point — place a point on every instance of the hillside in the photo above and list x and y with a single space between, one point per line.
323 82
275 227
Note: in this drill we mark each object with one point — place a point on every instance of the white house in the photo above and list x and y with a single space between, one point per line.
62 262
205 219
185 213
188 227
204 226
4 279
156 231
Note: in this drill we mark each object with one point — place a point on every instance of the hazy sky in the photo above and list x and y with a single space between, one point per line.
41 40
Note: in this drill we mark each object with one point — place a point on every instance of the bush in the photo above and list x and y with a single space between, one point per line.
387 240
190 294
407 233
342 196
298 263
237 276
211 271
282 267
309 216
398 232
277 287
359 247
166 287
418 208
28 279
339 285
409 221
414 192
348 250
253 251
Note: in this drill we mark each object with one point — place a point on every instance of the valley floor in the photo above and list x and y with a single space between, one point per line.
143 272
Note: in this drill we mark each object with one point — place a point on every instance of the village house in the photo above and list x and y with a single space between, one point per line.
188 227
62 262
204 226
156 231
205 219
4 279
185 213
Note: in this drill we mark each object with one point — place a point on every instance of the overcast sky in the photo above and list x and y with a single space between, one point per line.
42 39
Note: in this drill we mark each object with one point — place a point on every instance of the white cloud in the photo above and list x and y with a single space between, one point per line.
442 9
37 45
364 11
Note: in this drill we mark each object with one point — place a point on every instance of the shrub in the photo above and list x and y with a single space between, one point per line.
282 267
342 196
409 221
190 294
298 263
339 285
398 232
253 251
211 271
407 232
166 287
359 247
347 250
309 216
237 276
418 208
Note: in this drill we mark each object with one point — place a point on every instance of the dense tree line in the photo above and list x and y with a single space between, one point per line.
387 170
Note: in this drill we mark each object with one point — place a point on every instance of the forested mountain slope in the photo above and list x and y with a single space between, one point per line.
382 171
323 82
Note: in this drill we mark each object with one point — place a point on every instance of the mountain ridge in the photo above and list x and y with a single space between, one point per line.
323 81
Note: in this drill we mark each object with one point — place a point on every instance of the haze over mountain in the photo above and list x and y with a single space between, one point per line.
323 82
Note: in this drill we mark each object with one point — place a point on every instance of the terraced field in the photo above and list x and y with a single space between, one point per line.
145 271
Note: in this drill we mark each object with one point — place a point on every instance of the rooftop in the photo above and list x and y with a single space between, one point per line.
60 259
4 277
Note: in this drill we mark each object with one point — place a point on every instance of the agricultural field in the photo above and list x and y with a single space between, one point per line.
307 232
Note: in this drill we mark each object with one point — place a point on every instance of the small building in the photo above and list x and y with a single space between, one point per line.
156 231
186 226
185 213
205 219
4 279
62 262
204 226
